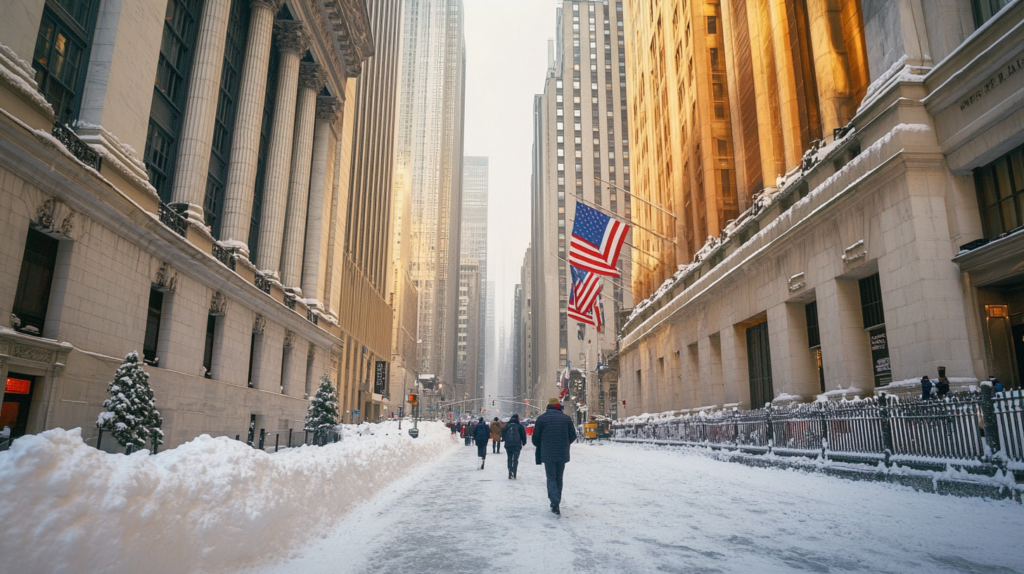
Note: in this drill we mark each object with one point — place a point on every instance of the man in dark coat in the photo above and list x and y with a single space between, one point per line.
480 434
514 436
553 432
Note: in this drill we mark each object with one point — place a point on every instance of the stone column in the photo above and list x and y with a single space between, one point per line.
845 346
311 80
321 181
193 162
238 194
293 45
831 64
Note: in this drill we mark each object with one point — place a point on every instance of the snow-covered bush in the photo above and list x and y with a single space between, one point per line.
322 415
131 414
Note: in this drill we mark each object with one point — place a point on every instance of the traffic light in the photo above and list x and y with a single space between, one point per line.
492 403
413 399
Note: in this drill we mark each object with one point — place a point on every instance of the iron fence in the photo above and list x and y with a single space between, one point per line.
980 426
261 440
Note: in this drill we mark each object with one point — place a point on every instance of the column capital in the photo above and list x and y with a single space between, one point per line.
329 108
312 76
291 36
274 5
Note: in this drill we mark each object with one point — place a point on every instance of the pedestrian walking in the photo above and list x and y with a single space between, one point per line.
514 436
496 435
552 434
480 434
926 388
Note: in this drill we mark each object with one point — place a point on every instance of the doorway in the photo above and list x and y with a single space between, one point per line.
17 400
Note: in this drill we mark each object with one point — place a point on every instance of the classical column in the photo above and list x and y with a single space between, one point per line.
292 43
328 110
311 80
193 162
248 122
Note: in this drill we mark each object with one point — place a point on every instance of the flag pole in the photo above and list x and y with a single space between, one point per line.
617 216
635 196
610 278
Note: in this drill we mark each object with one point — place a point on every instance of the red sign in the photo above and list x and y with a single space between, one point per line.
623 403
17 386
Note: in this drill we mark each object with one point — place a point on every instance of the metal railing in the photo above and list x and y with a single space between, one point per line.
225 256
312 317
172 219
289 301
78 148
980 426
260 440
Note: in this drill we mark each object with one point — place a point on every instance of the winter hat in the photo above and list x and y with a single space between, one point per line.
481 419
514 418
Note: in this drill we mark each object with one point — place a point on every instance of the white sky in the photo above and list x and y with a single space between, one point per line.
506 58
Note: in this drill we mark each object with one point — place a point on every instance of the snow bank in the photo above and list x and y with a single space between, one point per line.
202 506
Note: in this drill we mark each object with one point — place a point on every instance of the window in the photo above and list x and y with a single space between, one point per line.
714 59
62 53
211 330
813 336
286 366
726 184
985 9
169 92
1000 187
33 294
874 323
255 349
156 306
712 25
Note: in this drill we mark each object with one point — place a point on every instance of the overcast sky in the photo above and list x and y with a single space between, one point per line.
506 58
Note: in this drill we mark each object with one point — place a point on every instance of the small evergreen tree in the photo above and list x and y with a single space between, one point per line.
131 414
322 415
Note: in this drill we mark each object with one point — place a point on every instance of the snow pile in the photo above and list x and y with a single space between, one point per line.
205 505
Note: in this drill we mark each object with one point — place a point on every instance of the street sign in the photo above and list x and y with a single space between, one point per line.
414 432
356 412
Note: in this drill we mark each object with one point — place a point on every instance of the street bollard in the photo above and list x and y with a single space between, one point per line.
289 438
305 437
128 449
263 437
238 437
276 436
155 446
99 440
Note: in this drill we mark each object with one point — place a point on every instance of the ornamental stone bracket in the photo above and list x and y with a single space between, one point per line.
312 76
289 339
259 324
166 278
57 217
219 304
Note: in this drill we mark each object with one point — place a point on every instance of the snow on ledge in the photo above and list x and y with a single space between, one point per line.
203 506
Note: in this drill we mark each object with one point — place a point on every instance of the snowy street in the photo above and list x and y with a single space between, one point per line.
628 508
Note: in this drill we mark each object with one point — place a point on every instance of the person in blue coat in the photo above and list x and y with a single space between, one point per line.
481 433
553 432
926 388
514 436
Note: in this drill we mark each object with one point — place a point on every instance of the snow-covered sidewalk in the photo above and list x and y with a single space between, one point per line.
632 508
206 505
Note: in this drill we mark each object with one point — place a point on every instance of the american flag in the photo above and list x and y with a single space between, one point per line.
586 285
575 313
596 241
598 318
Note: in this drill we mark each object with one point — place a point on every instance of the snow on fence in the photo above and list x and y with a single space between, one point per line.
962 428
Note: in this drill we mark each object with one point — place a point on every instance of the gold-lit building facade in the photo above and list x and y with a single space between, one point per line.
724 98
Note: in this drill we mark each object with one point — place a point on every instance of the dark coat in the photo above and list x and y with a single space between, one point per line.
926 388
514 436
481 433
553 432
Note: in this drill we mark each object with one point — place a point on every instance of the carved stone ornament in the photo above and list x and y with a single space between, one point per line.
259 324
291 37
311 76
312 351
289 339
796 282
855 252
31 353
273 5
166 278
219 304
329 108
55 215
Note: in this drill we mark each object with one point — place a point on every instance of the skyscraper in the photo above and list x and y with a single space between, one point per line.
474 237
430 156
581 154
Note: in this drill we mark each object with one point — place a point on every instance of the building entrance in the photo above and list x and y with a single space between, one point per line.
17 399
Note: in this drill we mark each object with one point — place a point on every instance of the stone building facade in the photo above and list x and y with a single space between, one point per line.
889 246
199 220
